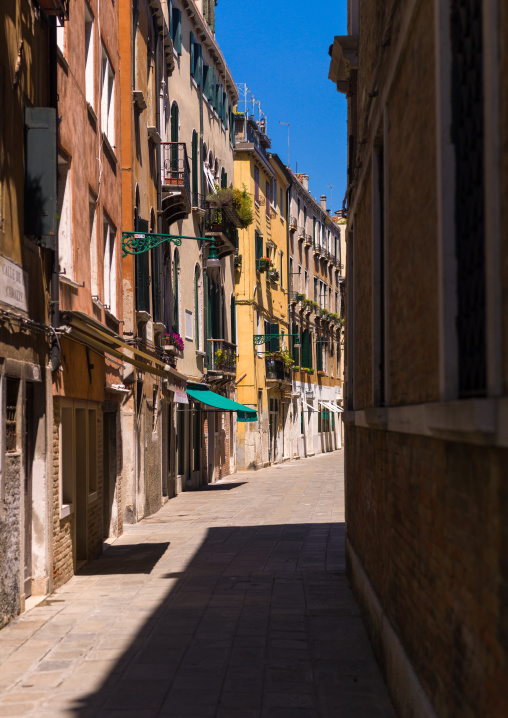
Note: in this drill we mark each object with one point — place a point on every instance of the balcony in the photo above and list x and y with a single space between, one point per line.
198 203
221 357
176 194
301 233
219 225
276 371
308 240
292 224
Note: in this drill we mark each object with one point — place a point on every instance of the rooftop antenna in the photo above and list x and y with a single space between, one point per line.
286 123
331 197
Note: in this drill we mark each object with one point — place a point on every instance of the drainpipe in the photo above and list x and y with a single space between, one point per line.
158 160
55 287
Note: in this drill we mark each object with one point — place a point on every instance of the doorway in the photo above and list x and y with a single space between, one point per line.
273 429
211 447
28 487
109 472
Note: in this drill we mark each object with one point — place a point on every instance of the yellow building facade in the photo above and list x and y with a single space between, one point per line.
261 292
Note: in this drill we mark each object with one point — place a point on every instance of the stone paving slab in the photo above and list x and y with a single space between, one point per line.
230 602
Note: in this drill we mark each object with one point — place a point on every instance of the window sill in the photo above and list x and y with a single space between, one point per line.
109 148
199 353
70 282
66 510
91 112
111 316
473 421
61 58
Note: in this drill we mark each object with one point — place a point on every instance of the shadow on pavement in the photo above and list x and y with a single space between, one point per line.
260 624
221 487
134 558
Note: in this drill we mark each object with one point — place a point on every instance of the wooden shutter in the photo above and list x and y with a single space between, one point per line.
225 111
192 57
258 245
195 180
177 30
41 175
198 64
233 320
156 286
296 351
142 273
267 192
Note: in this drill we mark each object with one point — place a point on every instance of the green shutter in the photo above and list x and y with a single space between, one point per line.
176 312
198 64
196 307
258 246
296 351
195 178
177 30
41 175
319 355
192 57
233 320
142 273
225 110
156 286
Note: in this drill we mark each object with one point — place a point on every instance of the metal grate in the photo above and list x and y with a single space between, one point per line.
468 137
11 405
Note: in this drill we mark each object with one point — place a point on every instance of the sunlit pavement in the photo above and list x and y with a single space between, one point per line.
230 602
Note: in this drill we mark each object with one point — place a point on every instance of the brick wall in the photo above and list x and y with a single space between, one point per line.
63 529
363 296
434 511
412 208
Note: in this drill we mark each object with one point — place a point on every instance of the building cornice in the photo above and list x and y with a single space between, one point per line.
206 36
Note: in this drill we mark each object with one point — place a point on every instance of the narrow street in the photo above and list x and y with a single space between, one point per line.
231 602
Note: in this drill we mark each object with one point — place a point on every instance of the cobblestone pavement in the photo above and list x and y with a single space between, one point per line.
230 602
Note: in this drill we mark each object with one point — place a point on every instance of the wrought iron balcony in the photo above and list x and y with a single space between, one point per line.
218 224
221 356
176 194
198 202
276 371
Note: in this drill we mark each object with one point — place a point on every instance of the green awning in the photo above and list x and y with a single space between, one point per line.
200 392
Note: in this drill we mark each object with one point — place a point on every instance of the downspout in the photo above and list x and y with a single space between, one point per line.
158 161
55 287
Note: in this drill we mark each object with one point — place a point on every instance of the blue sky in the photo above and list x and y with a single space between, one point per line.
280 50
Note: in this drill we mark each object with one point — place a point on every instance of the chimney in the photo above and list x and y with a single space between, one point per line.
323 202
303 178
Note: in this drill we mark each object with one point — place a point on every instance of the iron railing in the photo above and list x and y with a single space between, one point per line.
218 222
198 201
175 166
276 370
221 356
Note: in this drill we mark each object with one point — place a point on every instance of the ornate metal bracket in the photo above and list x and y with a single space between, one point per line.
263 338
140 242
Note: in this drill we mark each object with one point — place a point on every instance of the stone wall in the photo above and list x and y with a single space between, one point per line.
434 511
10 540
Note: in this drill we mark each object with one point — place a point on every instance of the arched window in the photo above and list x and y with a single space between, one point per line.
196 307
195 179
176 283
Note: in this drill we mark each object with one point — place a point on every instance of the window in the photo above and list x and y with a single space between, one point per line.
196 60
189 325
108 99
267 196
281 264
94 279
11 415
274 193
60 37
195 164
315 289
281 203
64 209
109 239
233 320
89 58
176 29
256 185
258 240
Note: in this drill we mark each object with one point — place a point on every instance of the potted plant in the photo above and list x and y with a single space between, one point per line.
296 368
274 275
238 261
173 343
300 297
263 264
321 372
310 371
